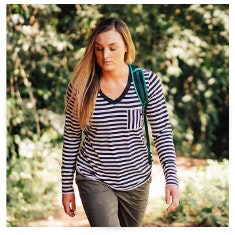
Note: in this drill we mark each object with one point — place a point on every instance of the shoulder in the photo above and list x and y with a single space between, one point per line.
148 72
150 75
153 81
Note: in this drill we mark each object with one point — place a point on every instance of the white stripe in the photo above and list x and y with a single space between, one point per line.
114 150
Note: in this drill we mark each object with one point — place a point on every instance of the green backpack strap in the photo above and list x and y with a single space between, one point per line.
138 80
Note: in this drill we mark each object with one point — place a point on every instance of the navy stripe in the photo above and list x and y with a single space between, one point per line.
114 149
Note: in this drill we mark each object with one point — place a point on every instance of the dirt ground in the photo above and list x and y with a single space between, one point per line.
186 168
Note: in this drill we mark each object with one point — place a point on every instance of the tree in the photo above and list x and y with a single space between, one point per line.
186 45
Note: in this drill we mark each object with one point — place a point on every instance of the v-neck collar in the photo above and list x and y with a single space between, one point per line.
117 100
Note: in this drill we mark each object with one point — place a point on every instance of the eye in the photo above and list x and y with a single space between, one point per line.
98 48
113 49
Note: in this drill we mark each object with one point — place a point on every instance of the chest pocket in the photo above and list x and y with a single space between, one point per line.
134 119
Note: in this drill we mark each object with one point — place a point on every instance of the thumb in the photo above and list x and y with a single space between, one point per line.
167 195
73 205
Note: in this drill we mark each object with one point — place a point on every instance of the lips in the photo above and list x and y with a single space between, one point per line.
106 62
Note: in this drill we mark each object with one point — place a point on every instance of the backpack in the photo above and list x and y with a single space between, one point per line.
138 80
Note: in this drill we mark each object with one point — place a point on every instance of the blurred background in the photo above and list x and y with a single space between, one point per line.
186 45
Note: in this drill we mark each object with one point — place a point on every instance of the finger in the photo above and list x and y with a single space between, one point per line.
72 208
167 196
173 205
73 205
70 212
69 204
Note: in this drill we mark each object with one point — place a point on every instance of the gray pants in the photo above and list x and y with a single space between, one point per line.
106 207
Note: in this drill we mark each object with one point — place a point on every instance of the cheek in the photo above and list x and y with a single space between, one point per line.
122 55
98 57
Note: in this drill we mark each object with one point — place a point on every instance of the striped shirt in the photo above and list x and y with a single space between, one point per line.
114 150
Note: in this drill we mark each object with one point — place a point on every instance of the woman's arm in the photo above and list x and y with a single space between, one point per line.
161 129
71 144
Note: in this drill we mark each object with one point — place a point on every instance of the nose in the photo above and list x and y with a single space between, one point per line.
106 53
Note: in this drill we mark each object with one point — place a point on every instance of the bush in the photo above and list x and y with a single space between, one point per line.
205 198
32 180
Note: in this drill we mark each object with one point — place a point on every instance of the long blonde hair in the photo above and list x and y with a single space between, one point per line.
86 75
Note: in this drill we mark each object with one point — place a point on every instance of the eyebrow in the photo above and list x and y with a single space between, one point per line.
110 44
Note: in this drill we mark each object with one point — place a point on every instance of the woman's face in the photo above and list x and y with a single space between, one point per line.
110 50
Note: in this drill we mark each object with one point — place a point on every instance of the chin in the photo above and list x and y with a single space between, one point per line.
107 67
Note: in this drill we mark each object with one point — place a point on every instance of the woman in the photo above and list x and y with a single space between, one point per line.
111 163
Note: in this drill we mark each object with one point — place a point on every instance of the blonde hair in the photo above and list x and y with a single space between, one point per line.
86 75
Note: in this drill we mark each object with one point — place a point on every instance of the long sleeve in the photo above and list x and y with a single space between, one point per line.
71 144
161 129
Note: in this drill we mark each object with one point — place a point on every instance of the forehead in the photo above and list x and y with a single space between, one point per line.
109 37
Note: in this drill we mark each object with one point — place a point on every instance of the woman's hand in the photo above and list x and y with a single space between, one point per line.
69 204
172 196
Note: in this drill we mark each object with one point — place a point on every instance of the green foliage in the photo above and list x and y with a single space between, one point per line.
186 45
197 83
32 180
204 199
